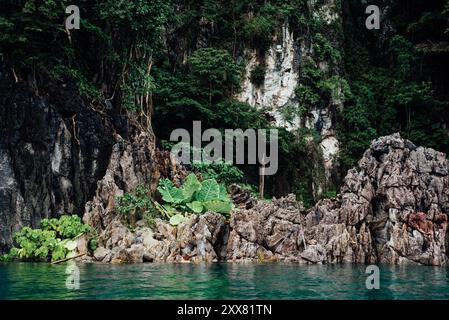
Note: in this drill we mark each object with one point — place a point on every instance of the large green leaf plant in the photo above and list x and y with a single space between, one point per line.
55 241
193 197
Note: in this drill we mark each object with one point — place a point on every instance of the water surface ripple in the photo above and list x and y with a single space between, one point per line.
221 281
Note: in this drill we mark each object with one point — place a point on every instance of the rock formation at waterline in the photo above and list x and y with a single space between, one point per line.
392 208
131 164
200 239
58 153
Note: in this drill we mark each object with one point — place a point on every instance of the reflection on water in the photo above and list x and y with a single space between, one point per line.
221 281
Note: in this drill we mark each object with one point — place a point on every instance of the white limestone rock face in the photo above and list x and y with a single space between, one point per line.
281 79
329 146
277 93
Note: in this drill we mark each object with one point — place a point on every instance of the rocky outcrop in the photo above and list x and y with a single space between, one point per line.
392 209
137 163
241 197
396 202
200 239
132 164
268 231
59 154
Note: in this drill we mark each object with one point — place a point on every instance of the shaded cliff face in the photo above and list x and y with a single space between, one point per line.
58 155
53 150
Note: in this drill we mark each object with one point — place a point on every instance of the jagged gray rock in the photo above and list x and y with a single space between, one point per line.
268 231
241 197
131 164
200 239
392 209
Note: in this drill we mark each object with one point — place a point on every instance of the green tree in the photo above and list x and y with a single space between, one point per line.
216 69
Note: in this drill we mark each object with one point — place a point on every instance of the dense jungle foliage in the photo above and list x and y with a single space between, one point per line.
167 63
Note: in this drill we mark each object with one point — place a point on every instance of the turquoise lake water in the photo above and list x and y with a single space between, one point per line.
221 281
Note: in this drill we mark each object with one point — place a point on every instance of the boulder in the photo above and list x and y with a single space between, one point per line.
267 231
120 255
199 239
82 245
101 254
135 253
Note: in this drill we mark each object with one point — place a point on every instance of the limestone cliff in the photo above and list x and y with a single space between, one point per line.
284 64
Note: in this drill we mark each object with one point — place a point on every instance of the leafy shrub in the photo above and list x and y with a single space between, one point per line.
66 227
216 70
93 244
253 189
194 196
303 194
259 31
307 98
222 171
130 202
55 241
330 194
37 244
324 49
310 70
336 88
405 56
289 113
137 205
257 75
85 87
7 257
